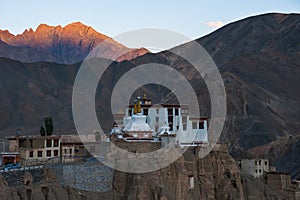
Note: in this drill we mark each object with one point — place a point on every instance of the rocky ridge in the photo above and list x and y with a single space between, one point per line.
68 44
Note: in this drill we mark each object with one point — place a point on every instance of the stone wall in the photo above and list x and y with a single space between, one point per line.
89 176
138 147
23 177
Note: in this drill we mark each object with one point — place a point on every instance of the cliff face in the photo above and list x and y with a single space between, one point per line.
216 176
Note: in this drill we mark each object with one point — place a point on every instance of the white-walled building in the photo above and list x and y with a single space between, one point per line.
153 119
255 167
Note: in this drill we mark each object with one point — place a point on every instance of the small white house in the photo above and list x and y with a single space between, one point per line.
255 167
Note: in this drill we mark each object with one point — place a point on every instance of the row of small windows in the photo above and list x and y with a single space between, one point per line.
170 111
194 125
259 162
70 151
146 111
49 143
49 153
258 171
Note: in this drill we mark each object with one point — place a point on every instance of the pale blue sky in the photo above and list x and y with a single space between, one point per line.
114 17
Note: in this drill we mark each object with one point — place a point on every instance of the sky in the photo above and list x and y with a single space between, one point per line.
190 18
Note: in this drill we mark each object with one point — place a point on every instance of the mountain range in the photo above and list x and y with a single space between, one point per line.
66 45
258 57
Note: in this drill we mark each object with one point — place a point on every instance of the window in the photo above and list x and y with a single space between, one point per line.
71 151
65 150
156 119
171 127
184 111
177 127
184 127
31 154
194 125
48 153
260 162
170 111
256 162
55 142
157 110
266 162
129 112
176 111
55 152
40 154
192 183
256 171
184 119
170 119
201 125
49 143
259 170
145 111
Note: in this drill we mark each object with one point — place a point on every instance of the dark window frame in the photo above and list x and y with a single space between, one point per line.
146 111
49 143
194 125
40 154
48 153
176 111
56 143
170 111
201 125
184 127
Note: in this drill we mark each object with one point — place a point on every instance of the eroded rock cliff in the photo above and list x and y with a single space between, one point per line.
216 176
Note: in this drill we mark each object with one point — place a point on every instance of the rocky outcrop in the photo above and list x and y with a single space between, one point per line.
69 44
256 189
216 176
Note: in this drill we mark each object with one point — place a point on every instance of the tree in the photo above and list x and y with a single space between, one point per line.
42 131
49 126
